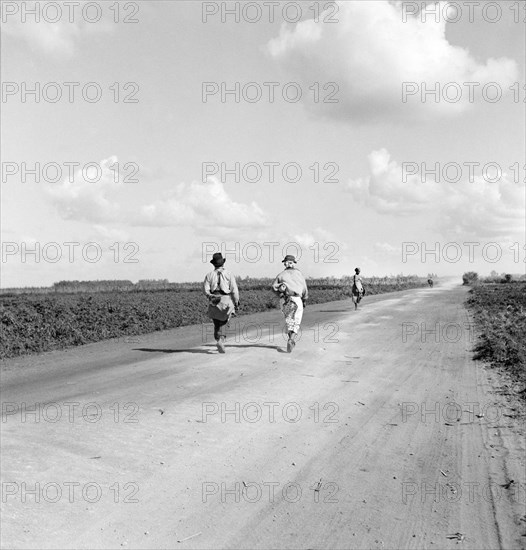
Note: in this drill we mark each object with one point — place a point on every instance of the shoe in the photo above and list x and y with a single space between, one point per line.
220 346
290 345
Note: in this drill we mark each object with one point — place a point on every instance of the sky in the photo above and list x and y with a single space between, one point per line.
381 134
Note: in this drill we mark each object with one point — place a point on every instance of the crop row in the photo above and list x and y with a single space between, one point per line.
500 317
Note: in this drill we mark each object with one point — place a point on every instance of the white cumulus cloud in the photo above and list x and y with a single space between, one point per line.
371 52
55 28
473 206
89 195
384 188
202 205
93 195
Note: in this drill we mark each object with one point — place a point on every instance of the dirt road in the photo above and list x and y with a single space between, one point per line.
378 431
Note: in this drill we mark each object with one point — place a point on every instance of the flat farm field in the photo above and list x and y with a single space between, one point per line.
500 319
38 322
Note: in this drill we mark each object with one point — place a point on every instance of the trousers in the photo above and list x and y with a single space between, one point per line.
293 311
219 328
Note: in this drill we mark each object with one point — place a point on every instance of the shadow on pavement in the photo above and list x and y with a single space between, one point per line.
212 349
252 346
192 350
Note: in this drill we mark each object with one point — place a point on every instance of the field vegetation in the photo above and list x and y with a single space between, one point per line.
499 310
74 313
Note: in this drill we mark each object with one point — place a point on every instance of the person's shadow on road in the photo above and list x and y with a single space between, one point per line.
254 346
191 350
210 351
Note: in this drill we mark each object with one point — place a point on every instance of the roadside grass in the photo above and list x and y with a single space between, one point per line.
500 318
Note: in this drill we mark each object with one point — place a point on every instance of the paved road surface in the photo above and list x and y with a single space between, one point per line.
365 436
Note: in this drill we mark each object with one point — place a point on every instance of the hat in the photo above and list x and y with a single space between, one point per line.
288 258
217 259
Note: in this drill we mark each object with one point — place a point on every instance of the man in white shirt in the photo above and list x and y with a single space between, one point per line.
358 291
291 286
220 288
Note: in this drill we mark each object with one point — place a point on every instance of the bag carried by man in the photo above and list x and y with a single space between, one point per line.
220 307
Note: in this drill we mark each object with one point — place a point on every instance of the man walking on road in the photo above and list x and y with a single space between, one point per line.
220 288
358 291
291 287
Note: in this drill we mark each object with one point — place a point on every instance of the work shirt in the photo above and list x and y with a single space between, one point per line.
221 280
295 282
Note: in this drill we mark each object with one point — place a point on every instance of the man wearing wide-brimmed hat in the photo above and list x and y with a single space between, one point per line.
291 287
223 295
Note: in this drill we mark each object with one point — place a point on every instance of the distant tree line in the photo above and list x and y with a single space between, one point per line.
472 278
245 283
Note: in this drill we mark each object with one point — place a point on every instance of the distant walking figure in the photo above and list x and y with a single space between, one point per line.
430 282
220 288
291 287
358 291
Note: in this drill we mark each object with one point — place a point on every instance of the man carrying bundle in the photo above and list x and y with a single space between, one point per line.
291 287
220 288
